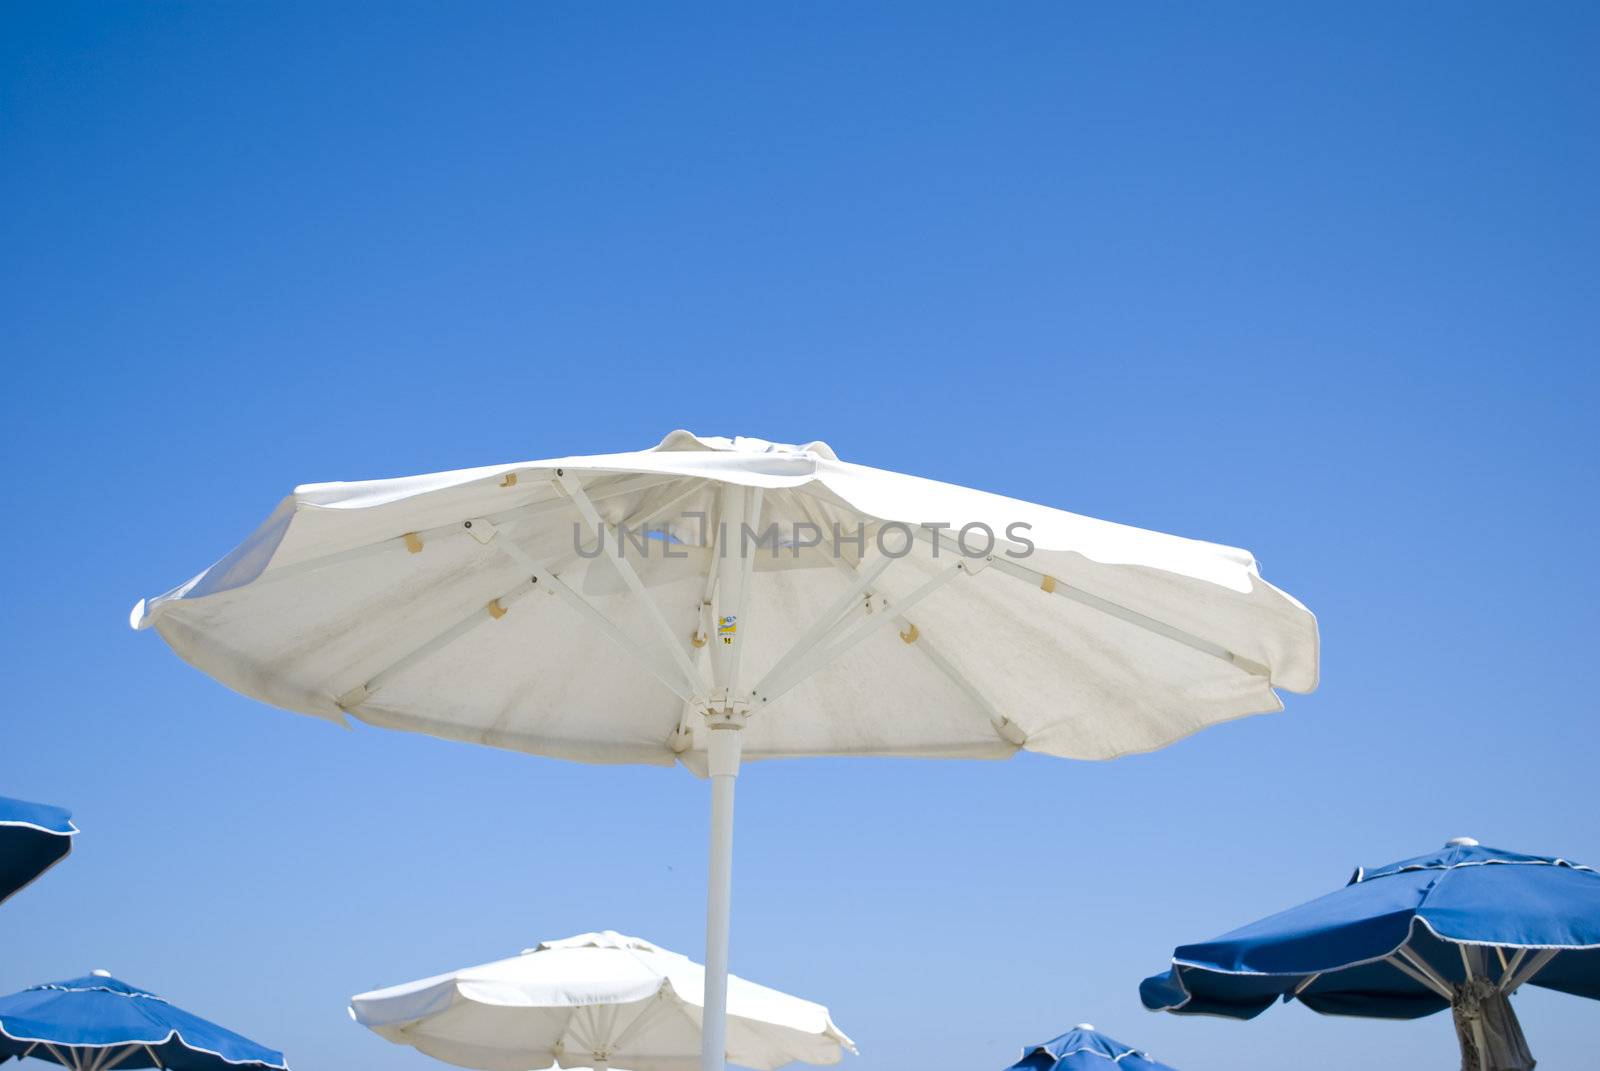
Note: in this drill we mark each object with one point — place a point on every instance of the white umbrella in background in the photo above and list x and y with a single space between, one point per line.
872 613
596 1000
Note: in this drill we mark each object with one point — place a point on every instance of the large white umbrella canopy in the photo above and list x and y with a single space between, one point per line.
709 599
595 1000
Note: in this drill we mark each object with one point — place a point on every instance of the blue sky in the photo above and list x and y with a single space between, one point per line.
1320 282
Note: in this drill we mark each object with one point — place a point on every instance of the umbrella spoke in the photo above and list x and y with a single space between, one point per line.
581 1029
630 576
1535 964
1508 968
683 688
108 1061
512 517
831 620
1056 586
752 521
1004 727
819 657
1417 968
1305 984
356 697
862 585
646 1016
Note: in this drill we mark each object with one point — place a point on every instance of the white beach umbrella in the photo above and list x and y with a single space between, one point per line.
710 599
596 1000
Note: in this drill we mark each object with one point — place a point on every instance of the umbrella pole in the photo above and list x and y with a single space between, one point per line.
739 513
724 746
1487 1029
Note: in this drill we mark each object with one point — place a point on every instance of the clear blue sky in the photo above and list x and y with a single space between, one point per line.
1321 282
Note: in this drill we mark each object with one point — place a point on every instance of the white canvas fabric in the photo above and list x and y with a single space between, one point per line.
411 604
598 998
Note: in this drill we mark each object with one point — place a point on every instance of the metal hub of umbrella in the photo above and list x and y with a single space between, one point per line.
1461 928
712 600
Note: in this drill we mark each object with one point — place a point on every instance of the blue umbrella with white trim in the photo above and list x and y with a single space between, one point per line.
1461 928
33 838
97 1023
1083 1048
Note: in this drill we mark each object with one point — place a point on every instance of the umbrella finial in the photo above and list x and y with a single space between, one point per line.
100 972
1460 842
1084 1026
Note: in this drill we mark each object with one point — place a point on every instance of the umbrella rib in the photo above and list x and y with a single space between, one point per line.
1416 976
830 618
1058 586
707 626
1508 968
514 516
591 516
637 1023
580 1027
1471 962
108 1062
356 697
683 688
1534 966
1004 726
772 688
1414 965
747 563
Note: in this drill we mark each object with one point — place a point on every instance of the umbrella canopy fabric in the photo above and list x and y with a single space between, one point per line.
1083 1048
96 1023
712 599
1461 927
33 838
595 1000
1346 953
1104 640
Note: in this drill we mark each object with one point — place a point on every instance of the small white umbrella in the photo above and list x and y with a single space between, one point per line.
616 609
596 1000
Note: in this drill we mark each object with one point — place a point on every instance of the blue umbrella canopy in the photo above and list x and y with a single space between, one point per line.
97 1023
33 838
1083 1048
1459 928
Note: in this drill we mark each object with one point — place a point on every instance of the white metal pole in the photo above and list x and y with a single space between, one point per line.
724 749
724 744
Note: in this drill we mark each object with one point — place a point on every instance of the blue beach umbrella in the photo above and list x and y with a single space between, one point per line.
97 1023
33 838
1462 928
1083 1048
